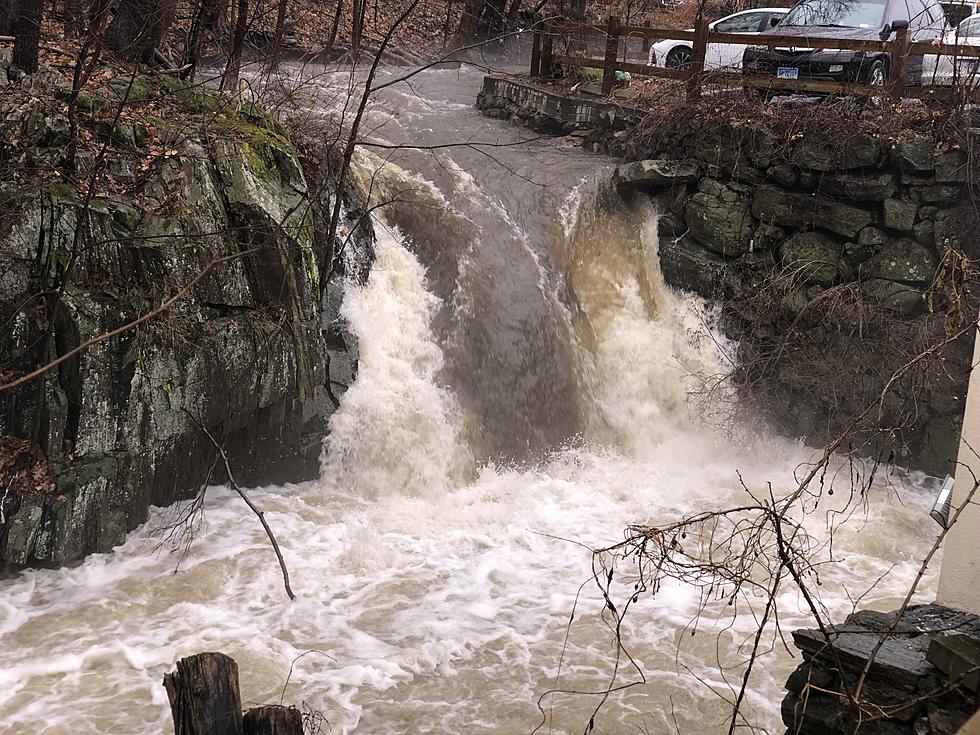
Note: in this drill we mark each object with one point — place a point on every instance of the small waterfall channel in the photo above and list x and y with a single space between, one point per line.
524 392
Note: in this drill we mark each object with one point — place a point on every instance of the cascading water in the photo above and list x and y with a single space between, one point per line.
523 394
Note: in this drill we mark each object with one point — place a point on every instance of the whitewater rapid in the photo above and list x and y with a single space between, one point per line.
435 578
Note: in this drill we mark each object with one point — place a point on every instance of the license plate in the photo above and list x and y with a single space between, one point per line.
788 72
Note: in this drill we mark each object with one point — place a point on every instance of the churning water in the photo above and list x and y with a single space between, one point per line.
524 393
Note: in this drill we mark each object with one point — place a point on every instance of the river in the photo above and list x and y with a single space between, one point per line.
527 388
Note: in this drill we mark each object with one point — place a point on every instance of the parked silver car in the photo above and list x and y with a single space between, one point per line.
675 54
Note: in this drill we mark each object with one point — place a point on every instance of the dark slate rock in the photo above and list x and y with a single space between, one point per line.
655 174
868 188
914 156
686 264
806 210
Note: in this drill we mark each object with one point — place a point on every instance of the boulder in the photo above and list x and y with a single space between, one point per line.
952 167
783 175
688 265
900 297
952 227
936 193
719 217
807 210
914 156
872 237
899 214
814 258
925 233
820 152
655 174
767 236
905 261
867 188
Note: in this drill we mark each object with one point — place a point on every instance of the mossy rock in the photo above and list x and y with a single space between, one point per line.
904 261
899 297
814 258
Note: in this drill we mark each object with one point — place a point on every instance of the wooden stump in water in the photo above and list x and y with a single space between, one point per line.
273 720
204 696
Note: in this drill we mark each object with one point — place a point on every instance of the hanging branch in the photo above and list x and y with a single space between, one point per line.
252 506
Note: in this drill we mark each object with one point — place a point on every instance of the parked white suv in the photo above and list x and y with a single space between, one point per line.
674 54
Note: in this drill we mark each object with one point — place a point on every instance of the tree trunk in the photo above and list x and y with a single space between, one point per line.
137 28
469 21
207 19
336 25
273 720
280 28
73 12
512 14
6 18
357 26
27 33
229 80
204 695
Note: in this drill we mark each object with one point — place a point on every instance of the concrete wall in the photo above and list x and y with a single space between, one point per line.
959 581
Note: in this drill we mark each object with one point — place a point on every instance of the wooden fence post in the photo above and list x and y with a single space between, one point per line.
536 52
546 50
900 53
697 60
612 55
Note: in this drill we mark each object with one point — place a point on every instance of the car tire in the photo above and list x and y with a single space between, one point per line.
679 58
877 74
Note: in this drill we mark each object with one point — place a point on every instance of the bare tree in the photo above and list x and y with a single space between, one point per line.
138 27
27 32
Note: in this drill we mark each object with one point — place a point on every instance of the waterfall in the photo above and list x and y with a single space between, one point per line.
525 391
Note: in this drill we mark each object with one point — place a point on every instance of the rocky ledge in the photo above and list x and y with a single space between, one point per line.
256 353
919 681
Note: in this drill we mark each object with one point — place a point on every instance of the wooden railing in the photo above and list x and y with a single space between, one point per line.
544 59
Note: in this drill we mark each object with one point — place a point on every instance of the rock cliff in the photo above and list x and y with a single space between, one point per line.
256 352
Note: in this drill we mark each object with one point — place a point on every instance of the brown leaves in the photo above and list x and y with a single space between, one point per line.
24 472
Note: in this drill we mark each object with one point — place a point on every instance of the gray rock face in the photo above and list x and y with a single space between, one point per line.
805 210
686 264
251 354
720 218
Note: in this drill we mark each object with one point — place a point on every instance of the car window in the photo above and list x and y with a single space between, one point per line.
767 21
969 27
837 14
745 23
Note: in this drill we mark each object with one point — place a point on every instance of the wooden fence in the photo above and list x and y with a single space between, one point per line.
544 59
